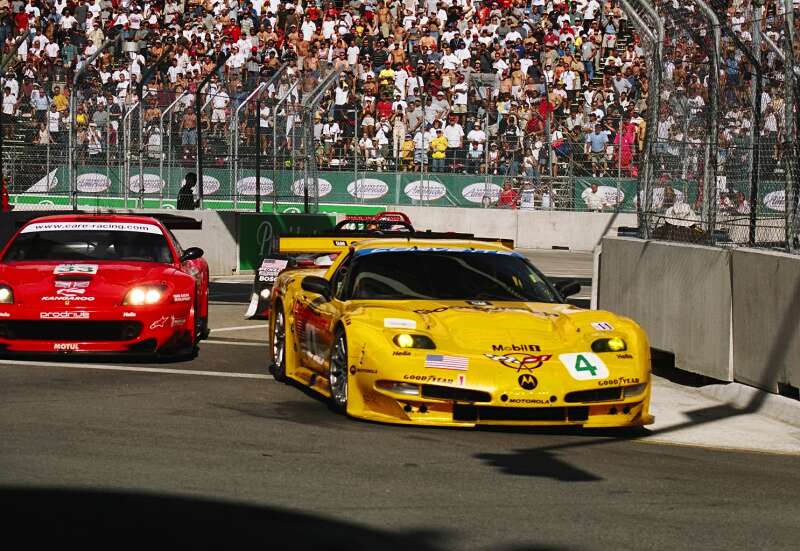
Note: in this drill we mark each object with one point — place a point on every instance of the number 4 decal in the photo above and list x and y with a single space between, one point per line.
584 366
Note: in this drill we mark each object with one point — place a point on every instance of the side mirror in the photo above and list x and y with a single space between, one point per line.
318 285
191 253
568 287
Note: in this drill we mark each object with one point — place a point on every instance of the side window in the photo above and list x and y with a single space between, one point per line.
338 283
174 240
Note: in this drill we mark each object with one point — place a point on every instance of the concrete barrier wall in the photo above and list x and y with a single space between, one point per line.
766 318
579 231
680 294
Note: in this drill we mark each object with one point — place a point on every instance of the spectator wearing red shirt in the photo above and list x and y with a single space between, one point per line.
508 197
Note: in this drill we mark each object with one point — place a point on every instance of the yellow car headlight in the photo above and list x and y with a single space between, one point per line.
614 344
143 295
6 295
409 340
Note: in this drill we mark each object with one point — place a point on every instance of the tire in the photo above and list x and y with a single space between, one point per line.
202 329
278 341
337 374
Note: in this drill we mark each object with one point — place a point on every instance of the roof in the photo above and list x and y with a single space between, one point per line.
96 218
433 244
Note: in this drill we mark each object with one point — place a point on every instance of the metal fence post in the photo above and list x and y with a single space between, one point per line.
710 176
258 159
791 149
755 156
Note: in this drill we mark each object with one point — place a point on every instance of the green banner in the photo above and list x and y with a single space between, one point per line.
258 233
339 191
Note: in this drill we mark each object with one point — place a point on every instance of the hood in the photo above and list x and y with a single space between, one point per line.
486 326
80 284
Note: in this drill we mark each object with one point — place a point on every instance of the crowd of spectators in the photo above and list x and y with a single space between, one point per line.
447 85
685 96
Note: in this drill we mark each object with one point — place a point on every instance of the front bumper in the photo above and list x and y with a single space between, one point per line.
135 331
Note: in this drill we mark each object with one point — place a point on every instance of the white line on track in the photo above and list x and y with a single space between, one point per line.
102 367
234 343
238 327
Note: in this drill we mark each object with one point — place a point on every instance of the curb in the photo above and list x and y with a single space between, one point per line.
771 405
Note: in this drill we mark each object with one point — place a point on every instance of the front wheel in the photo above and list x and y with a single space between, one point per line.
338 372
278 365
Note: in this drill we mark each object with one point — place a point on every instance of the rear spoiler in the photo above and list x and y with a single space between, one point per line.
337 242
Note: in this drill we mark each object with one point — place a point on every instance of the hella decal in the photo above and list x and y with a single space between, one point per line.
5 314
128 314
68 315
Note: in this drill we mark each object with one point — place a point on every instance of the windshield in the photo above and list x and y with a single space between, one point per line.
446 275
76 244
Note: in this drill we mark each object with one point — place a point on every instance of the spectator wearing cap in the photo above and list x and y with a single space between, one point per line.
439 151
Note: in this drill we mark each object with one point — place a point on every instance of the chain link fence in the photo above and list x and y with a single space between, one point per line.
720 162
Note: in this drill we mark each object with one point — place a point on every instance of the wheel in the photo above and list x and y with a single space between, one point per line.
337 375
278 365
202 330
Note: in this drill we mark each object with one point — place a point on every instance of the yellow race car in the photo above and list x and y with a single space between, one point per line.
451 332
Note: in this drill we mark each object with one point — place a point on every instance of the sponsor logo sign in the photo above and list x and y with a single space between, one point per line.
93 182
151 183
516 348
324 187
247 186
602 326
367 188
474 193
159 323
91 226
65 346
425 190
70 290
527 381
64 315
775 200
181 297
270 268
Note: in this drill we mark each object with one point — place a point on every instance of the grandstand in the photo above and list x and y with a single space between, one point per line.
550 95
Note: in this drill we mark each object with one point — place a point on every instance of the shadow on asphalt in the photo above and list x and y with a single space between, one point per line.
93 519
523 462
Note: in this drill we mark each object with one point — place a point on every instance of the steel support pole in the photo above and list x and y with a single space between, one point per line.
710 175
258 159
755 156
223 57
164 113
791 149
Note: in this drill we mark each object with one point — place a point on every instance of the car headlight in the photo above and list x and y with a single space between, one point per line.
265 293
398 388
614 344
636 390
409 340
6 295
144 294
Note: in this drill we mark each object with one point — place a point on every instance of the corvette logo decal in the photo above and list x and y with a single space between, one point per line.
520 362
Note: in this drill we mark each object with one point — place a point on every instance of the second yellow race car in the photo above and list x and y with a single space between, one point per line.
452 332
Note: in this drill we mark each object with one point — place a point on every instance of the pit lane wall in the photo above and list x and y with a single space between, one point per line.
727 314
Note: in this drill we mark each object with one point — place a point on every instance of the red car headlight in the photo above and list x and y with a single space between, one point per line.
6 295
144 295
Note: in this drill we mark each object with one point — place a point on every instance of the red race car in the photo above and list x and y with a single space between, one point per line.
102 284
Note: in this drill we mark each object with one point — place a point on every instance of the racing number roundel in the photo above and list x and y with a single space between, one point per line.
584 366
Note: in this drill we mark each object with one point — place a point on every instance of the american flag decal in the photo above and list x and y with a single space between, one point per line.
441 361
